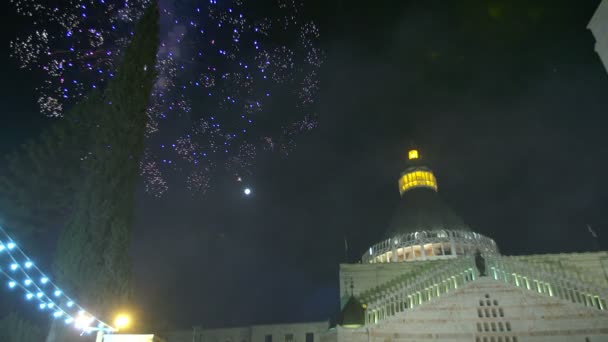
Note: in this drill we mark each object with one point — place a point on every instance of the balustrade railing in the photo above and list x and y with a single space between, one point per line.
427 282
547 279
417 287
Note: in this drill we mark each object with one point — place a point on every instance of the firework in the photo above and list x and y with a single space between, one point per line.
220 68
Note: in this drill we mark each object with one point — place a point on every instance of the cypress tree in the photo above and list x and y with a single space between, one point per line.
13 328
38 180
82 174
92 259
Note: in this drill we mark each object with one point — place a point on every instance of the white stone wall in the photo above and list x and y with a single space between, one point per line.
131 338
279 331
238 334
254 333
367 276
599 27
179 336
591 267
329 336
513 315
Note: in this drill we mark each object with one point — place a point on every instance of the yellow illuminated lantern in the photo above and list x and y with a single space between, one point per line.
417 179
416 176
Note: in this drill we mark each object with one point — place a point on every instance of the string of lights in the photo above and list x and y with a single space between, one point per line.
22 274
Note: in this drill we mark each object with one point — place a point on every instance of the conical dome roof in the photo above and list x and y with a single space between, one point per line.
420 207
353 314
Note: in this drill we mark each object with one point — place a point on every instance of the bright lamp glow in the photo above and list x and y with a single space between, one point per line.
28 264
27 282
57 293
29 296
83 321
247 191
44 280
14 266
11 245
39 294
12 284
1 247
58 314
122 321
69 320
412 154
42 305
70 304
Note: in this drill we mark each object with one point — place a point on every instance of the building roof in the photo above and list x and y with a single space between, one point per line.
421 207
353 313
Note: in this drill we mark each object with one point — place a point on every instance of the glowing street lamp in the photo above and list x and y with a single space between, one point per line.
122 321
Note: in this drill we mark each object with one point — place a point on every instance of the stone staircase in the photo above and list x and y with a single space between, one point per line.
551 281
420 284
430 280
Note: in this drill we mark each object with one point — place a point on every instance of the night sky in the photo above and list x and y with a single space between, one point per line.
506 100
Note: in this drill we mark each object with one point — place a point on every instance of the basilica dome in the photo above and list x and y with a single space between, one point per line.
422 209
423 225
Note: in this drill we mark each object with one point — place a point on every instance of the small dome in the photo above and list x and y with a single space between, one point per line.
353 314
422 209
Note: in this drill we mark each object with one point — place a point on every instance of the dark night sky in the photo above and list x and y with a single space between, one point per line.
506 99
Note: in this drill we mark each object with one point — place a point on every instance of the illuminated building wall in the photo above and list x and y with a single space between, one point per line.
437 280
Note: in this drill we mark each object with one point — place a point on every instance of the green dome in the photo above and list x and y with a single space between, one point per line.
422 209
353 314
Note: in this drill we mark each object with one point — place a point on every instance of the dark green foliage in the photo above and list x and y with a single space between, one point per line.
92 259
16 329
37 182
81 175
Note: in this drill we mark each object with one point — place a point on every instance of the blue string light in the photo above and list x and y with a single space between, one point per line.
38 287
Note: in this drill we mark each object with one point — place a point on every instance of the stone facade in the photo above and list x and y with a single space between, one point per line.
363 277
589 267
291 332
437 280
486 310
